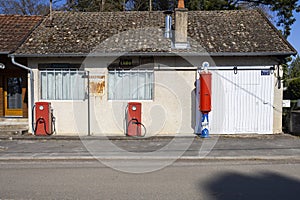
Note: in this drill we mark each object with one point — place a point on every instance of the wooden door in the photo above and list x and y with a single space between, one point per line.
13 98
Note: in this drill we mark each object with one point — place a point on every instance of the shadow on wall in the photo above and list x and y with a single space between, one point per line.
195 114
193 107
263 186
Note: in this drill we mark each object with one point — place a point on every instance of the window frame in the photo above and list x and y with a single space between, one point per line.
70 96
114 70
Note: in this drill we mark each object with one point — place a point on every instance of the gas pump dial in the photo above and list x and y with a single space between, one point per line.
41 107
133 108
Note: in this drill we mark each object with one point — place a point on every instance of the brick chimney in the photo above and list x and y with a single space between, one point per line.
181 21
181 4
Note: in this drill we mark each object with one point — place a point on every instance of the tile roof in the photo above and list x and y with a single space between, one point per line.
14 29
242 32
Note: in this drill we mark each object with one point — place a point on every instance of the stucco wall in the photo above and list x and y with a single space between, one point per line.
172 110
278 97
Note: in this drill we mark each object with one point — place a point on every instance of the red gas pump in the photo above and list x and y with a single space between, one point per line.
205 92
44 119
205 101
134 119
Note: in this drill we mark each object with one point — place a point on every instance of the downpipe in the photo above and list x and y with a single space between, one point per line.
31 76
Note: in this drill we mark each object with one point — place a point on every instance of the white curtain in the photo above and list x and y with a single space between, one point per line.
130 84
62 85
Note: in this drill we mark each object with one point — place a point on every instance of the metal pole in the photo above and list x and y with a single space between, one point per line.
88 91
150 5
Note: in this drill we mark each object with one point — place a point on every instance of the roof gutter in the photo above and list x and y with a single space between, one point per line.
3 53
218 54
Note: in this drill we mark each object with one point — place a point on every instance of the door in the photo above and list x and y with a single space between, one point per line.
13 102
242 102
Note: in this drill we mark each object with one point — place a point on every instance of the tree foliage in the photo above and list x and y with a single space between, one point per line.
28 7
294 89
24 7
96 5
209 5
295 68
293 80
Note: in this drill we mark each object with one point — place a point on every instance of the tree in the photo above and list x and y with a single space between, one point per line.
209 5
26 7
293 89
95 5
164 5
140 5
295 68
292 80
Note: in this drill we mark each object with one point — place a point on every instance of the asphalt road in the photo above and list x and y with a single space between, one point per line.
259 180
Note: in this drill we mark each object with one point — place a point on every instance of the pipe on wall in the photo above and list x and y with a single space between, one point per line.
31 81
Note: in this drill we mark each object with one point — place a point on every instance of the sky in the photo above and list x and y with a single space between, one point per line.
294 38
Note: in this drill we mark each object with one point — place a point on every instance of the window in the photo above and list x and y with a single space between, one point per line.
130 84
62 84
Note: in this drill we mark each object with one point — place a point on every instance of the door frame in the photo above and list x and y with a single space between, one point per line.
12 112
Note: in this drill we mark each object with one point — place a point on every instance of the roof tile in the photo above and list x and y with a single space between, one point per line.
78 33
13 29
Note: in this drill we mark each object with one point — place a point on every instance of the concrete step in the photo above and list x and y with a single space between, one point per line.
13 119
13 126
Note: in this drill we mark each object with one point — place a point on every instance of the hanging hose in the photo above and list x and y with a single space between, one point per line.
53 119
125 121
137 123
32 119
42 120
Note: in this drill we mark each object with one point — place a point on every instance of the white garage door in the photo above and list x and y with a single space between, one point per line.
242 102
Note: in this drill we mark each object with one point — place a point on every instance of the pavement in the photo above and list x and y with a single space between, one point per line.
225 147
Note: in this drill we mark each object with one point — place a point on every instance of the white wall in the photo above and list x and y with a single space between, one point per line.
174 108
168 113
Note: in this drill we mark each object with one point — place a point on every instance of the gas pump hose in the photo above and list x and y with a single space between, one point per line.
137 127
42 120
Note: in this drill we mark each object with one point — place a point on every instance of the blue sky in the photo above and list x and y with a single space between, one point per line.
294 38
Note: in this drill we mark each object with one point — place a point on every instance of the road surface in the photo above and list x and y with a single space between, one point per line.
208 180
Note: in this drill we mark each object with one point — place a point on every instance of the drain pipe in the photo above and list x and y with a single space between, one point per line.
31 82
89 104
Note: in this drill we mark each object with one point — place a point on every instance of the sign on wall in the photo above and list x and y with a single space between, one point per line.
97 84
265 72
286 103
